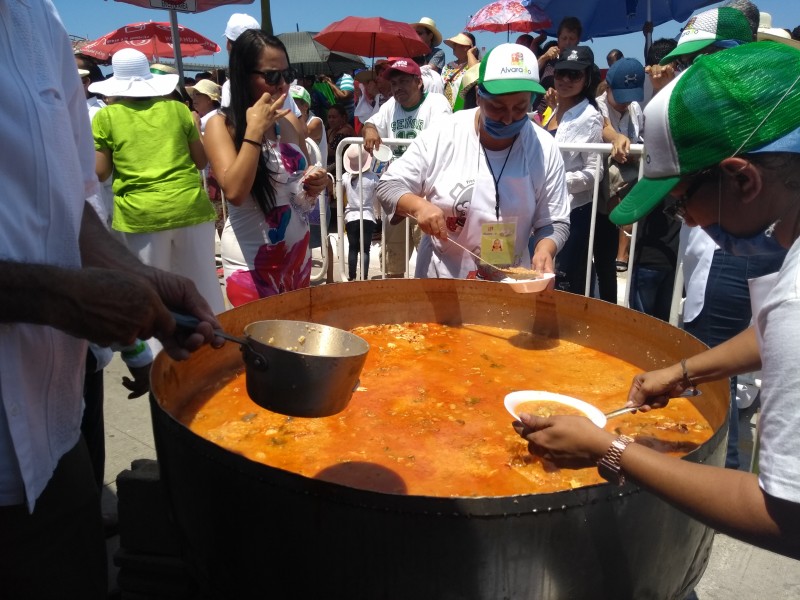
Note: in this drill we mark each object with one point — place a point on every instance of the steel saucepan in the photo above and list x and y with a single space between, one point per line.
297 368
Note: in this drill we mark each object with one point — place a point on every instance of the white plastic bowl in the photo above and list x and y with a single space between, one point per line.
529 286
514 399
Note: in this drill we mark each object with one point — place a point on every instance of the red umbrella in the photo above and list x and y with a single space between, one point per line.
184 5
372 36
153 39
508 16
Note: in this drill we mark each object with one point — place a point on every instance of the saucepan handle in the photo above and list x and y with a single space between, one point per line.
184 321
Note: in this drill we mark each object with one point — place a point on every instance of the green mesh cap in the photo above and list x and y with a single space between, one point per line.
711 26
725 104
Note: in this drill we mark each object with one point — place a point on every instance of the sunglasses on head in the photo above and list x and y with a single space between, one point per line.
273 77
571 74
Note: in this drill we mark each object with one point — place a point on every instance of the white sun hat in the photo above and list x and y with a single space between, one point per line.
133 79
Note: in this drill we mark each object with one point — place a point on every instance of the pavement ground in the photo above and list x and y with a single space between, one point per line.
736 570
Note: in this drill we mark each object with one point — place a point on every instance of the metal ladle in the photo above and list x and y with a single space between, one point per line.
690 393
492 268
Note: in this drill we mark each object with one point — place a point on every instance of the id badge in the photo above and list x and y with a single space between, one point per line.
498 240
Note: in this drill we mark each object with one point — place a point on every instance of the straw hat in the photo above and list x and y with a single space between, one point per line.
430 25
133 79
207 88
364 75
767 32
459 40
159 69
350 159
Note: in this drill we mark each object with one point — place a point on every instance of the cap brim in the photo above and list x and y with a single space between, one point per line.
642 199
574 65
626 95
512 86
684 49
763 35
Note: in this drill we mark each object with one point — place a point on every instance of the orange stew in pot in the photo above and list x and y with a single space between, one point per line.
428 416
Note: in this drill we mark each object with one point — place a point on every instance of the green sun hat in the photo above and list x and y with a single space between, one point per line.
708 27
510 68
727 103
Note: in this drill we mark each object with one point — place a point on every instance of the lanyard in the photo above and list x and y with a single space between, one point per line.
496 180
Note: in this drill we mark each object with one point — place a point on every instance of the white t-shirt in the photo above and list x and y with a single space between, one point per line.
447 165
360 194
778 328
393 121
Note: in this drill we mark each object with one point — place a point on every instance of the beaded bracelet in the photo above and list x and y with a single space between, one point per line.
687 381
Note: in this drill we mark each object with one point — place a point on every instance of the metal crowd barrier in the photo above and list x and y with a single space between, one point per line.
603 149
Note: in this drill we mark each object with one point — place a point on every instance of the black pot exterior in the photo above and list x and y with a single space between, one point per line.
253 530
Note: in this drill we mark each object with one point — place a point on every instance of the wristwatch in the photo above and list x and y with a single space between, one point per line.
609 466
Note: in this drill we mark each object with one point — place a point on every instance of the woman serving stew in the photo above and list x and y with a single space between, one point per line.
484 176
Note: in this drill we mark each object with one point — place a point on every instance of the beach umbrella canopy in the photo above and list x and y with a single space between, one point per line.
192 6
372 36
601 18
153 39
175 6
309 57
507 16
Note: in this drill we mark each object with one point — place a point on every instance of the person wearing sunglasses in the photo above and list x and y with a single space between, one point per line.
236 26
257 150
576 120
723 148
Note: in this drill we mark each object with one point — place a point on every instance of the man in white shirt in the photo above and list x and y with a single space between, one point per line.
408 112
65 281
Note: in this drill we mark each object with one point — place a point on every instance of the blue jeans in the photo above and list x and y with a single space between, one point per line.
354 247
652 291
726 313
571 259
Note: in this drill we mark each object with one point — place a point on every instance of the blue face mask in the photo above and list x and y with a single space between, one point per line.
761 243
501 131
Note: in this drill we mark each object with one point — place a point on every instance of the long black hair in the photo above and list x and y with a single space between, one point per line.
244 57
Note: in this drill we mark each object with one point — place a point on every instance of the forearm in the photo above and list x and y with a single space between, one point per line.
556 233
409 205
739 354
34 293
727 500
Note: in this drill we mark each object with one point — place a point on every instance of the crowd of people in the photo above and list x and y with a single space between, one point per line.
121 229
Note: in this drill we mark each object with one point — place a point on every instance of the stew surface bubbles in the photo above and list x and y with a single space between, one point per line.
428 417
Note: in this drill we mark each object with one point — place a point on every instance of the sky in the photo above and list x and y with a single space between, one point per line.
94 18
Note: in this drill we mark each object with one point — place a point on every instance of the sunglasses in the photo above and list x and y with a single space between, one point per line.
677 208
570 74
273 77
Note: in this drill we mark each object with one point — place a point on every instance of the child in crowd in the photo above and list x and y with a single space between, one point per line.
360 193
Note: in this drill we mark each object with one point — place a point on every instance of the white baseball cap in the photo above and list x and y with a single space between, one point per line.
510 68
238 24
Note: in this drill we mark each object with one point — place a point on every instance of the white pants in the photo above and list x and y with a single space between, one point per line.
187 251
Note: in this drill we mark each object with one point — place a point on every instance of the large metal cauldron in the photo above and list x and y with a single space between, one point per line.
255 531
